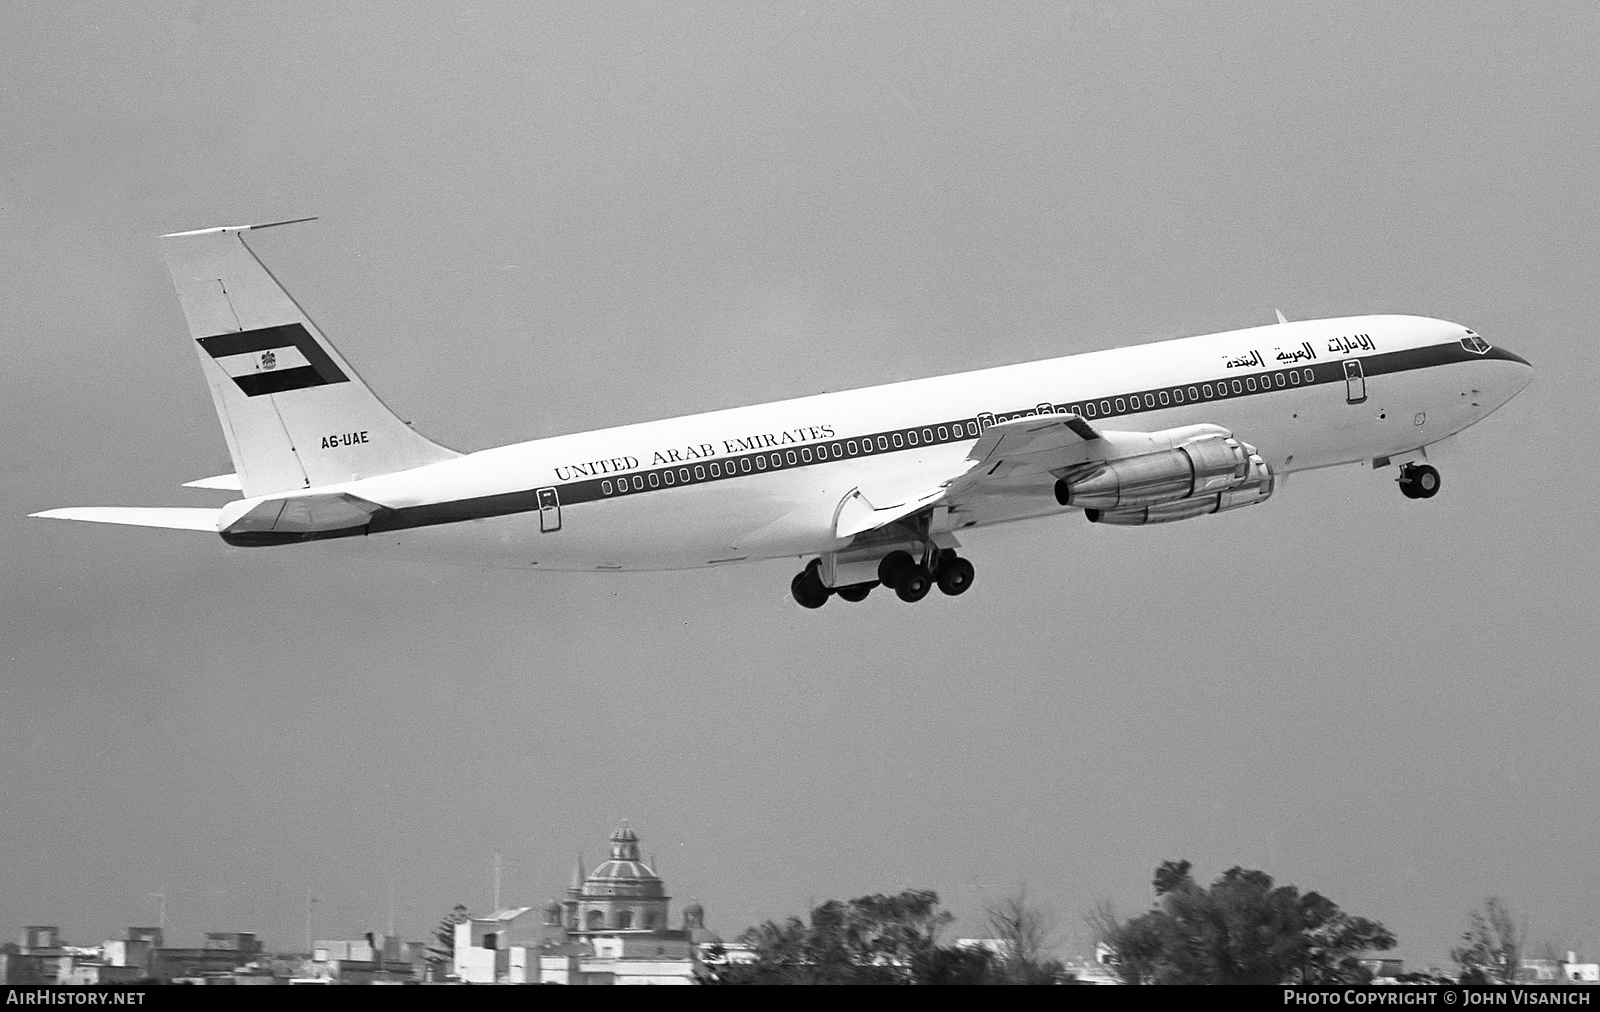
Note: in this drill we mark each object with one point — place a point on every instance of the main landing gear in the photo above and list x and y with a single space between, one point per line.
1418 481
909 579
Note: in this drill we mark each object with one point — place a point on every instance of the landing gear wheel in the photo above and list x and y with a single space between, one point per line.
913 584
892 565
1419 481
807 588
955 576
855 592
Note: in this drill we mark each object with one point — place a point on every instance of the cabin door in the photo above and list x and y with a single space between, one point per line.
1355 383
549 510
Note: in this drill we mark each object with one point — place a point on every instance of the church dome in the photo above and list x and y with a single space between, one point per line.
624 874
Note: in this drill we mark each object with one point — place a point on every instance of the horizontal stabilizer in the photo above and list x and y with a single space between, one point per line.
178 518
236 228
223 481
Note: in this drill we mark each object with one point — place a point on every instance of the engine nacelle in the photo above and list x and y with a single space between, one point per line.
1202 467
1256 488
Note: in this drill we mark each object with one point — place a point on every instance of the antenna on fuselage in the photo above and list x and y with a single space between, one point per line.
1281 318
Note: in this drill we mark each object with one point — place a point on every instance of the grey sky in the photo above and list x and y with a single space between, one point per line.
547 218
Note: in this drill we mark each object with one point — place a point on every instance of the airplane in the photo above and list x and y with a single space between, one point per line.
871 486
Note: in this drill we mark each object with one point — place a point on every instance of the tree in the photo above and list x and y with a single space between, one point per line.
1242 930
1103 922
1026 934
442 953
869 940
1494 945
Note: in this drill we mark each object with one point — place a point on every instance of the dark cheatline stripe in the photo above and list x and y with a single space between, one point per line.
321 370
889 440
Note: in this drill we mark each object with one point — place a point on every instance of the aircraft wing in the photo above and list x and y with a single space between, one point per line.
1016 460
1003 459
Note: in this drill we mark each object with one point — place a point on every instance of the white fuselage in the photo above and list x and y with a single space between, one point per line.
1298 404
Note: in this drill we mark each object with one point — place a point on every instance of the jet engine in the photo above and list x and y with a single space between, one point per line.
1207 474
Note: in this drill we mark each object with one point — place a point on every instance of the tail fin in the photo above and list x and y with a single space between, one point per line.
293 411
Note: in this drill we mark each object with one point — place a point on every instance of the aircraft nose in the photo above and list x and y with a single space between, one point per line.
1512 356
1514 372
1521 368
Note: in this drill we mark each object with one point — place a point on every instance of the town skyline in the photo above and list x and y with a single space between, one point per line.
539 218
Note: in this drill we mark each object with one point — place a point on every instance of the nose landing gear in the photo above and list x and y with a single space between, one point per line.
1418 481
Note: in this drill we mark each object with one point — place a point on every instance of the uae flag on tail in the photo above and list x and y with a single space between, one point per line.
271 360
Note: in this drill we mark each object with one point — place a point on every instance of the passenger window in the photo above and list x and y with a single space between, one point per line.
1206 390
655 479
638 482
1193 396
761 463
883 442
1163 398
1149 400
1249 381
1311 376
944 433
1294 377
805 455
972 428
1105 407
744 465
1238 387
716 471
683 473
1121 405
791 457
838 451
851 446
899 441
927 435
1177 395
699 473
605 486
911 437
1088 409
1278 379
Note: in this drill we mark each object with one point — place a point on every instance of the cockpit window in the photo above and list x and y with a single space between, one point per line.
1475 344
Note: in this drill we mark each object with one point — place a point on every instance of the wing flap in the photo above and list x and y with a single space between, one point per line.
177 518
1026 437
857 513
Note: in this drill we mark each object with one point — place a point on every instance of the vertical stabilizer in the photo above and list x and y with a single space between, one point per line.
293 411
